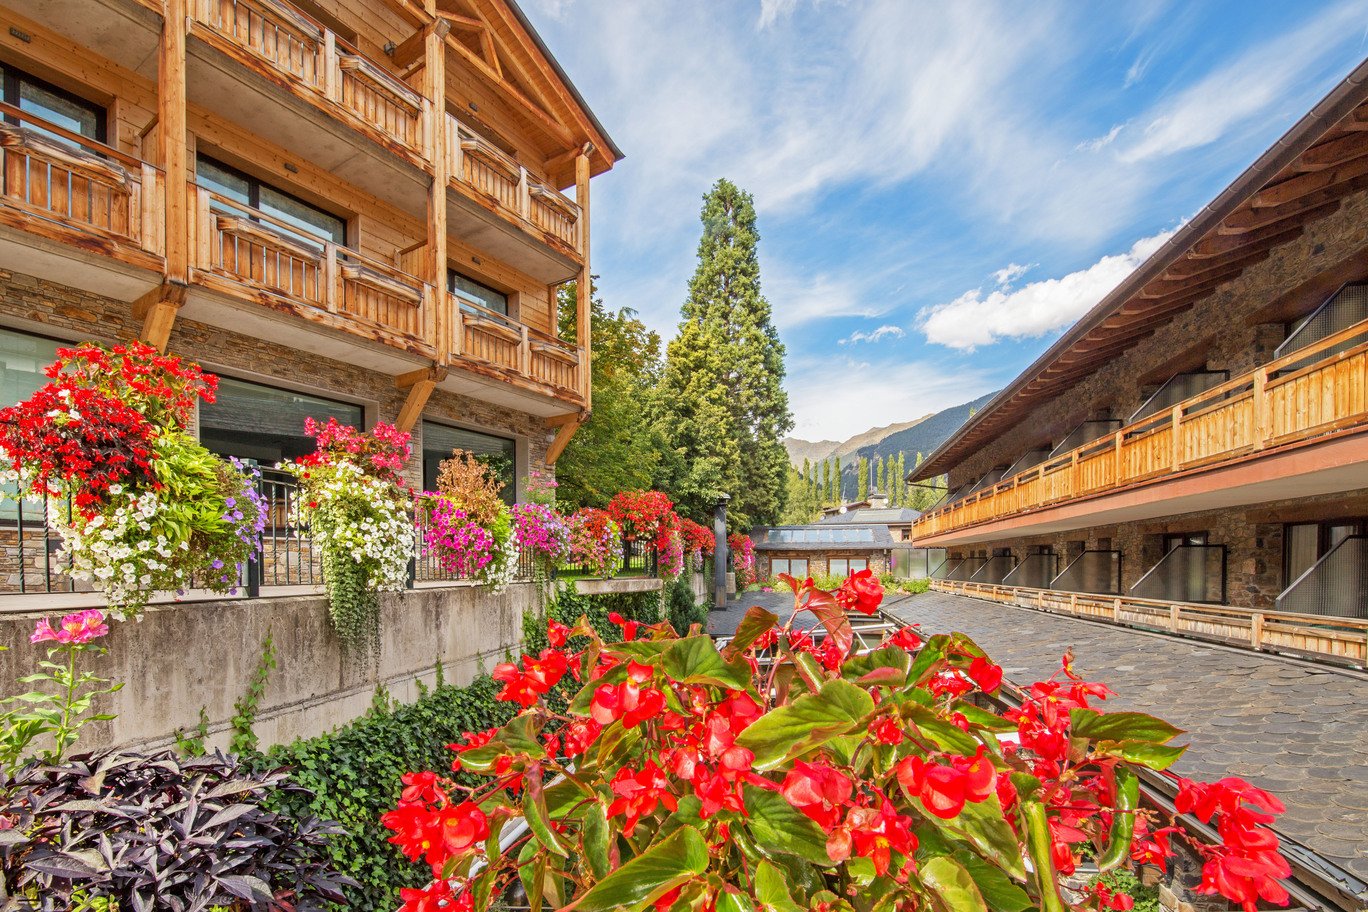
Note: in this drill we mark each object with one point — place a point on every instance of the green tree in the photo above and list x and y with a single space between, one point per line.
615 450
807 471
802 505
825 497
862 478
900 480
879 477
723 402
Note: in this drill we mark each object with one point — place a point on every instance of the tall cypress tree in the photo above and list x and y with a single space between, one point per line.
879 474
723 387
862 478
834 484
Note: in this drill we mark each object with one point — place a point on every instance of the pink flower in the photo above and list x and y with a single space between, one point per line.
76 630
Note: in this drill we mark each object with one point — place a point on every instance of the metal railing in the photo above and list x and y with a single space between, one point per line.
1035 570
1187 573
33 561
1091 571
994 569
1336 585
638 559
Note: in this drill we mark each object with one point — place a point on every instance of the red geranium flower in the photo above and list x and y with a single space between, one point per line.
861 591
817 790
639 792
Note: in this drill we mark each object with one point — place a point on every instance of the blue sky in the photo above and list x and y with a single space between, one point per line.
942 187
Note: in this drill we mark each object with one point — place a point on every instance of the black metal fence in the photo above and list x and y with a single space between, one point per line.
638 559
33 561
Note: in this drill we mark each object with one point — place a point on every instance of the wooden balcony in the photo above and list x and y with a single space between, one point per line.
494 345
70 201
498 206
1311 396
277 42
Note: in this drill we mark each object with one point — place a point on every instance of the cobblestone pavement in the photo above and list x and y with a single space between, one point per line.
1296 729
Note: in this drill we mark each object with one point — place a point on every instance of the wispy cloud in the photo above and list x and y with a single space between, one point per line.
1010 273
770 10
888 330
849 396
975 319
1250 84
1098 143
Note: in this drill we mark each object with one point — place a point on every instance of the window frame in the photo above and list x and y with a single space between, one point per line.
508 297
10 94
254 185
788 566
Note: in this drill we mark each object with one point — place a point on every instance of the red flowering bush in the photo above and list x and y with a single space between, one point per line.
698 541
743 558
645 516
787 772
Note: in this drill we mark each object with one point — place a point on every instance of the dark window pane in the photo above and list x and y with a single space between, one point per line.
22 359
59 109
300 214
221 180
499 453
470 291
264 423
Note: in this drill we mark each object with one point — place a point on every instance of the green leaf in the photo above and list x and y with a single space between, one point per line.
650 875
695 660
771 888
945 735
595 840
982 718
931 652
982 823
518 737
534 811
808 722
780 827
753 626
890 658
1155 756
1123 819
952 886
1038 844
998 891
1121 726
734 902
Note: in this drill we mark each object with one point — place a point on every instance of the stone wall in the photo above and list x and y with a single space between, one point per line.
1219 333
1253 537
31 304
181 657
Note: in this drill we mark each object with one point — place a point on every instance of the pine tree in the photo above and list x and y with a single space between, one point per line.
825 493
900 482
833 494
723 396
862 478
879 477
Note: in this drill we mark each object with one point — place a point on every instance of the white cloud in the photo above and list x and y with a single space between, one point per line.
888 330
770 10
1097 143
975 318
846 397
1010 273
1252 83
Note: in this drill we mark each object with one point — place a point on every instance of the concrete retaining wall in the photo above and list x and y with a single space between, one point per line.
181 657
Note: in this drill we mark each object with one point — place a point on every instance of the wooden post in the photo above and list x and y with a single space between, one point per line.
1260 394
157 309
1116 611
1116 466
435 102
1176 455
583 290
1256 623
171 134
1173 618
332 70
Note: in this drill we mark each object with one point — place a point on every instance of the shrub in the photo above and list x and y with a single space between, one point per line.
471 486
162 832
689 778
682 610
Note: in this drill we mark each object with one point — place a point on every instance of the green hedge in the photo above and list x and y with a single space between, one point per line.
354 772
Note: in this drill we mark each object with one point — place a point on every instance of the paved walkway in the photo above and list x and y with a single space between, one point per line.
1296 729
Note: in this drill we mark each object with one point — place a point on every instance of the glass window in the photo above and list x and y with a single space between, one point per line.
844 566
314 223
22 359
469 291
796 567
42 99
499 453
265 424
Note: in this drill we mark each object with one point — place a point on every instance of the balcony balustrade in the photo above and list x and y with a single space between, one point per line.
65 187
1316 390
507 346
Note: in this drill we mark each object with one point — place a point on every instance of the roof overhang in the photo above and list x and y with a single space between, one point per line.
1302 178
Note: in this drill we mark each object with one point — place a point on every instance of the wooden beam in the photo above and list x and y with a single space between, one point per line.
421 375
1248 219
567 430
1218 245
171 133
435 105
157 309
410 49
584 292
1332 152
1198 269
1309 182
464 23
413 405
559 420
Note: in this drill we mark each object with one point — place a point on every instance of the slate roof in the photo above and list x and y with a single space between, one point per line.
1292 727
858 538
891 516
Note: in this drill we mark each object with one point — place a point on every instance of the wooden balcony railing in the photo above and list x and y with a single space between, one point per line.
1316 390
253 252
1335 639
291 50
510 347
61 185
478 165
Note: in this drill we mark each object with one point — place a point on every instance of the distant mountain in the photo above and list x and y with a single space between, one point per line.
811 450
920 435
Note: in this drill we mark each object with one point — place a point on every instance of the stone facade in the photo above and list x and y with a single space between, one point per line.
31 304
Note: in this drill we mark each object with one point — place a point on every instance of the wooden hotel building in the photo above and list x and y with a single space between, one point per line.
1193 453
